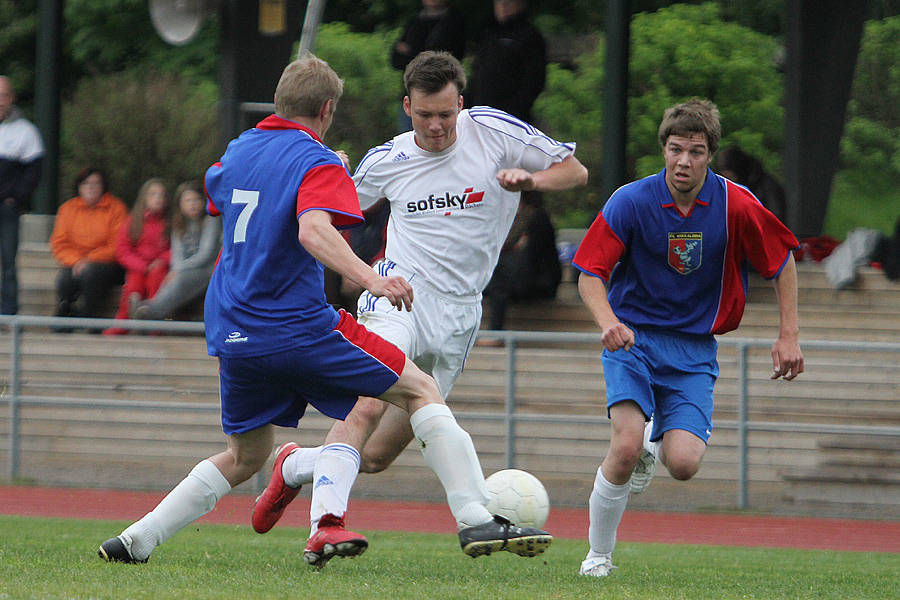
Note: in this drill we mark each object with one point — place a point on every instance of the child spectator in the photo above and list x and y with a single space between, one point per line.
143 249
84 243
196 241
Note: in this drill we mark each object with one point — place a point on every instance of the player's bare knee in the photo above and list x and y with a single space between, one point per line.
368 411
414 390
682 468
245 466
373 464
623 459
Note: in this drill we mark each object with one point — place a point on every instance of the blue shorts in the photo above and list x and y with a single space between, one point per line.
671 377
330 374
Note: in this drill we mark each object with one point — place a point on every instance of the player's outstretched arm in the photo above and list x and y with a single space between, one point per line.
563 175
787 359
325 244
615 334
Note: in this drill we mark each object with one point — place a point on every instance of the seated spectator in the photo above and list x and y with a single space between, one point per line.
84 242
738 166
195 245
143 249
528 268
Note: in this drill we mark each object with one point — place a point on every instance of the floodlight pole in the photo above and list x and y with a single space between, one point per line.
314 10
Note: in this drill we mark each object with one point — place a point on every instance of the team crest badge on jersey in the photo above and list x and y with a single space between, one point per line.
685 251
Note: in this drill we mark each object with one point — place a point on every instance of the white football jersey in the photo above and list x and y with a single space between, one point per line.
449 215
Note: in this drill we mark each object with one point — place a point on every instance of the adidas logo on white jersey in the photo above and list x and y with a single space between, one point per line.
399 157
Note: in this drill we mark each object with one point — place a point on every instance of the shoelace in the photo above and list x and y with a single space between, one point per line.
506 524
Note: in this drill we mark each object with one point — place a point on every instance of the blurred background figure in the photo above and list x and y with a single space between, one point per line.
84 241
21 157
511 62
195 244
438 26
143 249
738 166
528 268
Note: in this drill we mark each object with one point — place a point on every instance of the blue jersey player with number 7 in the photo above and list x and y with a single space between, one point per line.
282 194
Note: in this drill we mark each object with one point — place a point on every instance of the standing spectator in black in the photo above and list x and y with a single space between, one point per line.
438 26
511 63
21 156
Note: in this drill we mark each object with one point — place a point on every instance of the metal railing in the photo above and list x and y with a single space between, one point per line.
509 416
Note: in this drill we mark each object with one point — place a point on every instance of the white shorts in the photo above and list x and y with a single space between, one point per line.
437 334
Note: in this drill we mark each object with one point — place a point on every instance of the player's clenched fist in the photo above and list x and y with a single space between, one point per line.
516 180
617 337
396 289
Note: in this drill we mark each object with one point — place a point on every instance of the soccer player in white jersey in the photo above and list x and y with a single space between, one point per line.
453 184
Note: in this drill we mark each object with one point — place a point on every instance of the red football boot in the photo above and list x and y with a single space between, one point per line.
330 540
271 503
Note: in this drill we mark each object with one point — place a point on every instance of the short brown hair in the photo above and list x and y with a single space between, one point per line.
305 86
430 72
87 172
688 118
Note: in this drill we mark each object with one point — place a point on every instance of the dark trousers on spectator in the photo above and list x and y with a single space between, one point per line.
9 246
90 290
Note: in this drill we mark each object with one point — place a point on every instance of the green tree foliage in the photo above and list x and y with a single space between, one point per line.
109 36
684 51
872 138
18 20
867 188
676 53
137 127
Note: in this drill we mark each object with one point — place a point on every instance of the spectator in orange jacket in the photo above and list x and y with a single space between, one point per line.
143 249
84 243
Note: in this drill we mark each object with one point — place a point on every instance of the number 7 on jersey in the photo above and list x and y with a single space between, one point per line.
250 200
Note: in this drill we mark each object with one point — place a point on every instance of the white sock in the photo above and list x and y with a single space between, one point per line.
335 472
607 504
297 469
449 452
195 496
651 447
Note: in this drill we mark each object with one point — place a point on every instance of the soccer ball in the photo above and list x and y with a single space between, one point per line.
519 496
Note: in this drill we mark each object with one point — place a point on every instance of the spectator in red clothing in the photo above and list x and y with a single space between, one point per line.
143 249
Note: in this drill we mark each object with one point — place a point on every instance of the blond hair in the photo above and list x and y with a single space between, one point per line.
305 86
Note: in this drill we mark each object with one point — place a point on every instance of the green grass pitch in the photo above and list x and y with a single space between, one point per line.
56 558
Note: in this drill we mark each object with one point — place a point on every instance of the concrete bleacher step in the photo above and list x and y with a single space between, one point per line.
839 387
860 470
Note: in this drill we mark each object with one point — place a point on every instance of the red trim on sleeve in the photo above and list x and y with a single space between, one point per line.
754 234
328 187
600 250
211 210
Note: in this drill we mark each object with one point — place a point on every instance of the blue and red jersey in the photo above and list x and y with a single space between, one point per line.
267 292
685 273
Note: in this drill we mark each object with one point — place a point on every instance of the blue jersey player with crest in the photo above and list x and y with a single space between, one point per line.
663 270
